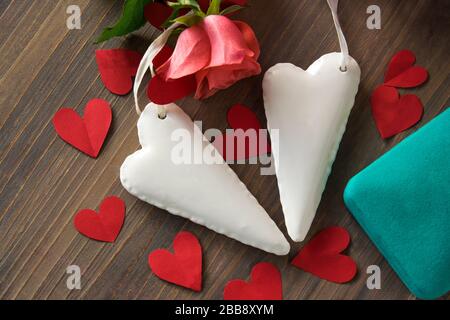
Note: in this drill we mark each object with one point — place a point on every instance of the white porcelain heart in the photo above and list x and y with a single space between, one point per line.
208 194
310 108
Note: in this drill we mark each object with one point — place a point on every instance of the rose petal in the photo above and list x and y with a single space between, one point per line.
249 37
227 42
210 80
192 53
162 56
223 77
164 92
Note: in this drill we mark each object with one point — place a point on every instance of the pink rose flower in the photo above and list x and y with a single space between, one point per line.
217 51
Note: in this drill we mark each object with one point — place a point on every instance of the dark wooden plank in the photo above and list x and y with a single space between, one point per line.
11 14
4 6
43 182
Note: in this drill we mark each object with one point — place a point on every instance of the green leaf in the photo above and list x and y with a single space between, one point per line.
231 9
182 4
187 4
132 19
175 33
169 20
188 19
214 7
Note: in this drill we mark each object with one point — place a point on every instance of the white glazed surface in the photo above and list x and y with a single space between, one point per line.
310 108
208 194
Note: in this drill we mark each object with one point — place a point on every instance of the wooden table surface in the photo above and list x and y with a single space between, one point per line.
44 182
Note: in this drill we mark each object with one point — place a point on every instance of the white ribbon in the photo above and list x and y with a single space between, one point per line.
333 4
147 63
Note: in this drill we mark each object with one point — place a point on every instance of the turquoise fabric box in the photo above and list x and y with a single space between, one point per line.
402 201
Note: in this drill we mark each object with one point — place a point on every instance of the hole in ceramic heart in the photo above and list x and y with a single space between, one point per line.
343 69
162 116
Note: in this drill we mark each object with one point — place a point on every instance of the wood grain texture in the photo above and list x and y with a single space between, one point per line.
44 182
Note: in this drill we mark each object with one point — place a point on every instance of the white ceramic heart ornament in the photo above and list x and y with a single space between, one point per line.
310 109
208 193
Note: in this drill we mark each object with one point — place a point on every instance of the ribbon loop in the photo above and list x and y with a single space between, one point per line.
333 4
147 63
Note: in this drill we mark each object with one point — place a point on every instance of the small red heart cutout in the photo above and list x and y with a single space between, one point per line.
240 119
157 13
163 92
87 134
184 266
105 225
117 68
392 113
265 284
402 73
322 256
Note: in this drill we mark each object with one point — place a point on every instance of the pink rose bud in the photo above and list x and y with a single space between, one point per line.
218 51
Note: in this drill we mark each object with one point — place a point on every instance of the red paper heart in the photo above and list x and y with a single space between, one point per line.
321 256
184 266
265 284
392 113
241 118
163 92
117 68
87 134
105 225
402 73
157 13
